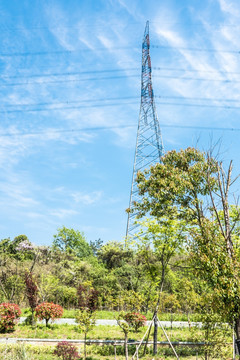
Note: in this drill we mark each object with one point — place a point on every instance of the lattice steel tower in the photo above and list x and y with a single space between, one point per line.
149 146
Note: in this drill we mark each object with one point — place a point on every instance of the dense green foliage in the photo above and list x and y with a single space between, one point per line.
191 187
116 275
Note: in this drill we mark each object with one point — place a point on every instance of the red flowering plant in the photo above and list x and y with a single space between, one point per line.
66 351
47 311
9 316
135 320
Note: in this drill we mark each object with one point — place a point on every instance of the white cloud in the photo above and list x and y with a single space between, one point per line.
62 213
229 7
87 198
170 36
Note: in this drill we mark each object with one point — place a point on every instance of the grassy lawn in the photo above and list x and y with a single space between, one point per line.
99 332
111 315
101 352
33 352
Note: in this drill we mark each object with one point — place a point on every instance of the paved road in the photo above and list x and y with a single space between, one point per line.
166 324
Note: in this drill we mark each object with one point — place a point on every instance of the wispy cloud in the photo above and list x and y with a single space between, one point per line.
87 198
229 7
62 213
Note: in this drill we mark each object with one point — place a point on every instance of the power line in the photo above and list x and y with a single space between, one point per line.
67 80
163 68
64 52
100 26
64 108
58 105
99 128
110 71
74 101
196 79
70 52
196 49
65 73
116 77
227 107
197 98
67 107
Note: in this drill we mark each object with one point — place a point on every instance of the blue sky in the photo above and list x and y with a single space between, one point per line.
70 97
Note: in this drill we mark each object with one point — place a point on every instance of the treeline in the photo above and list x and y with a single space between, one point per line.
125 277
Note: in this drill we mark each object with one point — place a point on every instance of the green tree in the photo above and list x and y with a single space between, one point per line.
191 185
72 241
86 320
126 327
113 254
158 241
96 246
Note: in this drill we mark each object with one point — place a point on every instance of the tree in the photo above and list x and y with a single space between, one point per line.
19 248
72 241
96 246
125 326
31 293
86 320
113 254
192 186
47 311
158 242
87 298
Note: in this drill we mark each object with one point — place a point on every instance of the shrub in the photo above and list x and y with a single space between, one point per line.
9 315
66 351
135 320
87 298
47 311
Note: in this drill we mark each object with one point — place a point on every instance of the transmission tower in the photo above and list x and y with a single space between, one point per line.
149 146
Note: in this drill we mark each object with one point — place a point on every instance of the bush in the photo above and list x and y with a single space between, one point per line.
9 315
135 320
66 351
47 311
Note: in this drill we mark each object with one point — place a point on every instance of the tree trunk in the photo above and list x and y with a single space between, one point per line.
155 335
189 320
33 321
126 346
237 332
85 350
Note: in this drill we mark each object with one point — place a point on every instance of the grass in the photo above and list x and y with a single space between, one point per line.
33 352
111 315
99 332
103 352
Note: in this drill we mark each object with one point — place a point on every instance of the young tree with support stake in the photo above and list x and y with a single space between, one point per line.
192 186
158 242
